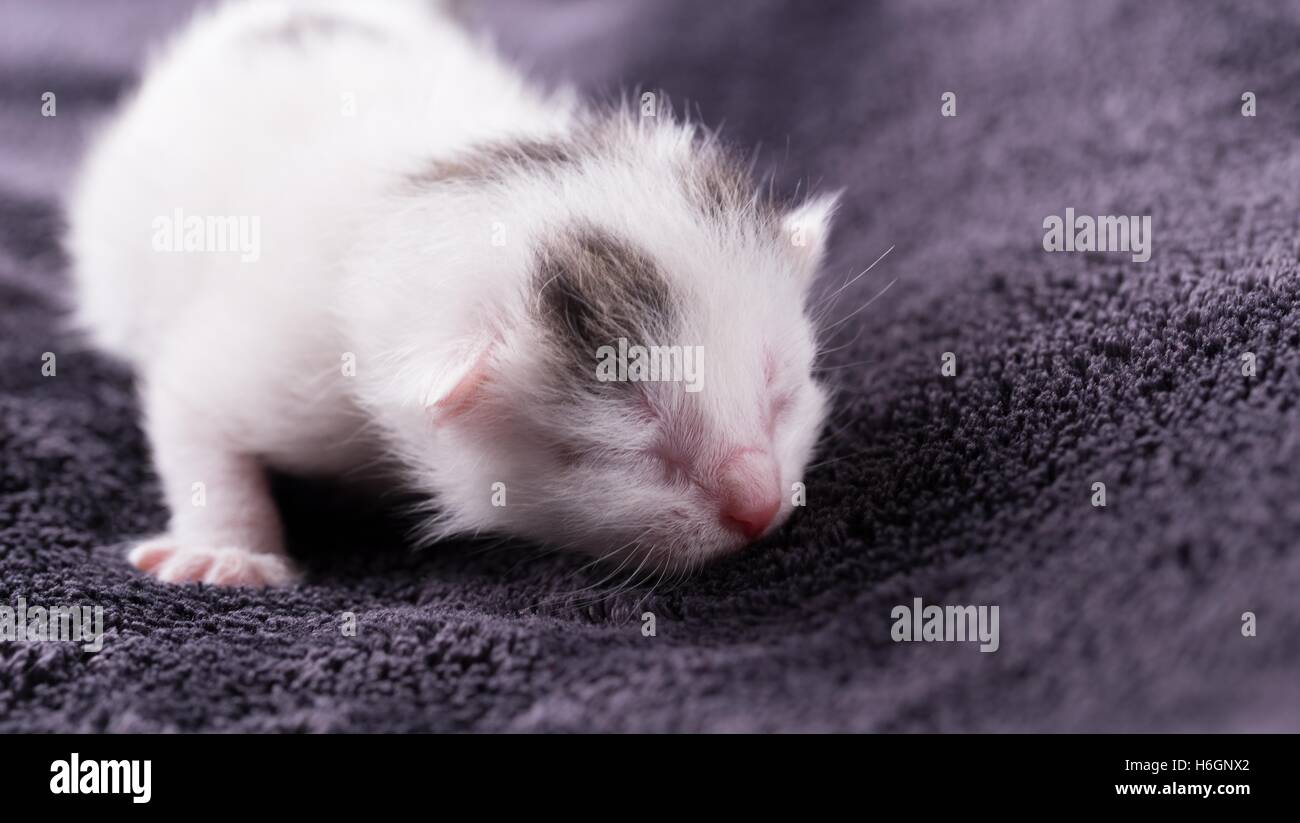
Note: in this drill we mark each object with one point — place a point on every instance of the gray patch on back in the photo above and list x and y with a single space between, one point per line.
306 26
496 161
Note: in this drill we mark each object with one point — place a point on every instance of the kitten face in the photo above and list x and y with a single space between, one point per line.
701 453
649 245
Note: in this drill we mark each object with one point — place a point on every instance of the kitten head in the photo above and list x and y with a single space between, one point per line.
612 351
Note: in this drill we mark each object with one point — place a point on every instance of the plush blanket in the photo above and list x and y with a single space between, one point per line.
985 387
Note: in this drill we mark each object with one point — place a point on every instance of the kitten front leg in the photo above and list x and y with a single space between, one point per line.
224 527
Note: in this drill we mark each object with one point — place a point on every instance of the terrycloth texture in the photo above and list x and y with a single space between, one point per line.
1072 369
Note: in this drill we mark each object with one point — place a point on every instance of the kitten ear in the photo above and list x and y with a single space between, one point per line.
458 386
807 228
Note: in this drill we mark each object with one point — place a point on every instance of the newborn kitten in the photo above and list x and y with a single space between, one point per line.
332 235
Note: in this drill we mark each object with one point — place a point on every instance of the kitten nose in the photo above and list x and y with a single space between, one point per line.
750 493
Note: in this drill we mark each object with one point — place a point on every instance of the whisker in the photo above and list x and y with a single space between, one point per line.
841 289
851 314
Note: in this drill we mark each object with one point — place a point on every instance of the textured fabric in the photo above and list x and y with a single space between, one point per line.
1072 369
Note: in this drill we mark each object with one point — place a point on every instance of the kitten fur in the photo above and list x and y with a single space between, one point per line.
443 248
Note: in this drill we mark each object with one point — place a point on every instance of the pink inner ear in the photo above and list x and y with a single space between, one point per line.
463 396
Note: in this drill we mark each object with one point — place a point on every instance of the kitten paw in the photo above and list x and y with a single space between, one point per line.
171 562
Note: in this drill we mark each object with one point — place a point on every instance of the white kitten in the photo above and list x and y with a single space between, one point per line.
399 250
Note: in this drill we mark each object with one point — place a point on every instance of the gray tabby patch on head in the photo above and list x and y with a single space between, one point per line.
592 288
723 189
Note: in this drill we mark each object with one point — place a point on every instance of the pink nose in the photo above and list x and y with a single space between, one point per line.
750 493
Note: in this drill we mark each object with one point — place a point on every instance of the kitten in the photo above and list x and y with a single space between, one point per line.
331 235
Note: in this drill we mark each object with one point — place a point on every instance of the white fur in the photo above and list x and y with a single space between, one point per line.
241 362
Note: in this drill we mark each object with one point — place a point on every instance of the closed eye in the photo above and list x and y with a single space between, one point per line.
676 469
781 405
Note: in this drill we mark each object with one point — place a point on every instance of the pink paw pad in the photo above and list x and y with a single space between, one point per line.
217 565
